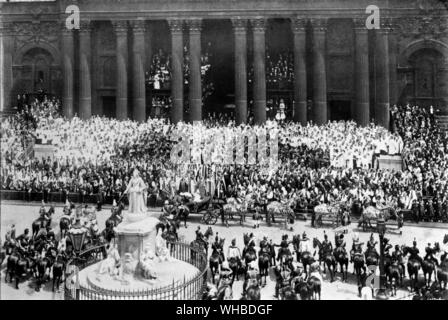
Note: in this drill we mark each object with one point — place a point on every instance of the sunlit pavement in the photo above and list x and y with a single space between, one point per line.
23 215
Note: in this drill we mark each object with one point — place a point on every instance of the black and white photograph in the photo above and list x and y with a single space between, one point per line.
224 150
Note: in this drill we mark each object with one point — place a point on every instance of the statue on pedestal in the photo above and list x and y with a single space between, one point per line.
162 251
108 264
136 191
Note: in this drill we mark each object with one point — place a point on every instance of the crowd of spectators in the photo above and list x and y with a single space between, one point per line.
333 162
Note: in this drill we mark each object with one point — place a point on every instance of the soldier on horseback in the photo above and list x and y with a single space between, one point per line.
283 279
327 246
413 252
200 237
284 250
340 242
430 254
371 243
251 277
397 256
356 248
218 246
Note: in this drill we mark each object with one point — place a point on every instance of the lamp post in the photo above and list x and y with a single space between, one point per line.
381 294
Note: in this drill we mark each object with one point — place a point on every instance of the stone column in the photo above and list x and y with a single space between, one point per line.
195 88
393 51
298 26
258 28
68 63
319 71
362 100
239 29
382 75
177 75
138 71
7 78
121 32
85 56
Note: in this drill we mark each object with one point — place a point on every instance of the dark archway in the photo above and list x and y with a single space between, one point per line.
37 70
426 79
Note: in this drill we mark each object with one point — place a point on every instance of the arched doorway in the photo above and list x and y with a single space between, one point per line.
426 79
37 71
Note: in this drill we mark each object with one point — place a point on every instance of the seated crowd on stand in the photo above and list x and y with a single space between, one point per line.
318 164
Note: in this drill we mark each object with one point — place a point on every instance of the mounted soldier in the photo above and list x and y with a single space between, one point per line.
430 254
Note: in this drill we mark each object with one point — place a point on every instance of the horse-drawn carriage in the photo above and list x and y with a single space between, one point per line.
209 207
372 213
280 209
334 213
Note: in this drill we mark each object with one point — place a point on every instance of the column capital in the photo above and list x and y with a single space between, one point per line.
175 25
138 26
359 24
85 26
319 24
7 28
258 24
120 26
239 25
298 24
386 25
194 25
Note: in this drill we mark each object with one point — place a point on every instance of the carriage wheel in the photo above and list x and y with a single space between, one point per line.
213 218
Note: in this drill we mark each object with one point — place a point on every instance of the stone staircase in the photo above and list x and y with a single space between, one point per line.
442 121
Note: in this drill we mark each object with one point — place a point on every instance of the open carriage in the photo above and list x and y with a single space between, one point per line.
282 211
209 207
331 213
372 213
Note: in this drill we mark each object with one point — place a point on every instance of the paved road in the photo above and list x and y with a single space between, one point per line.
23 215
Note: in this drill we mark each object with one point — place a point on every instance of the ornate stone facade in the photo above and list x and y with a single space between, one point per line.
325 36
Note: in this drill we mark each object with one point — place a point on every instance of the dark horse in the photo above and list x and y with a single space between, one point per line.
442 270
315 287
216 258
43 265
326 257
264 259
201 244
17 266
249 253
341 256
58 271
64 225
429 267
413 266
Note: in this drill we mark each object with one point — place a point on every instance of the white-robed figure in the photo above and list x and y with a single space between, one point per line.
108 264
135 190
162 251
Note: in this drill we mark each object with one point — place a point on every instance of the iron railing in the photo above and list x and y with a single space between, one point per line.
186 289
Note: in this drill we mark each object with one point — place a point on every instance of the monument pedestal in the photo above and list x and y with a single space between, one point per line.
135 233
